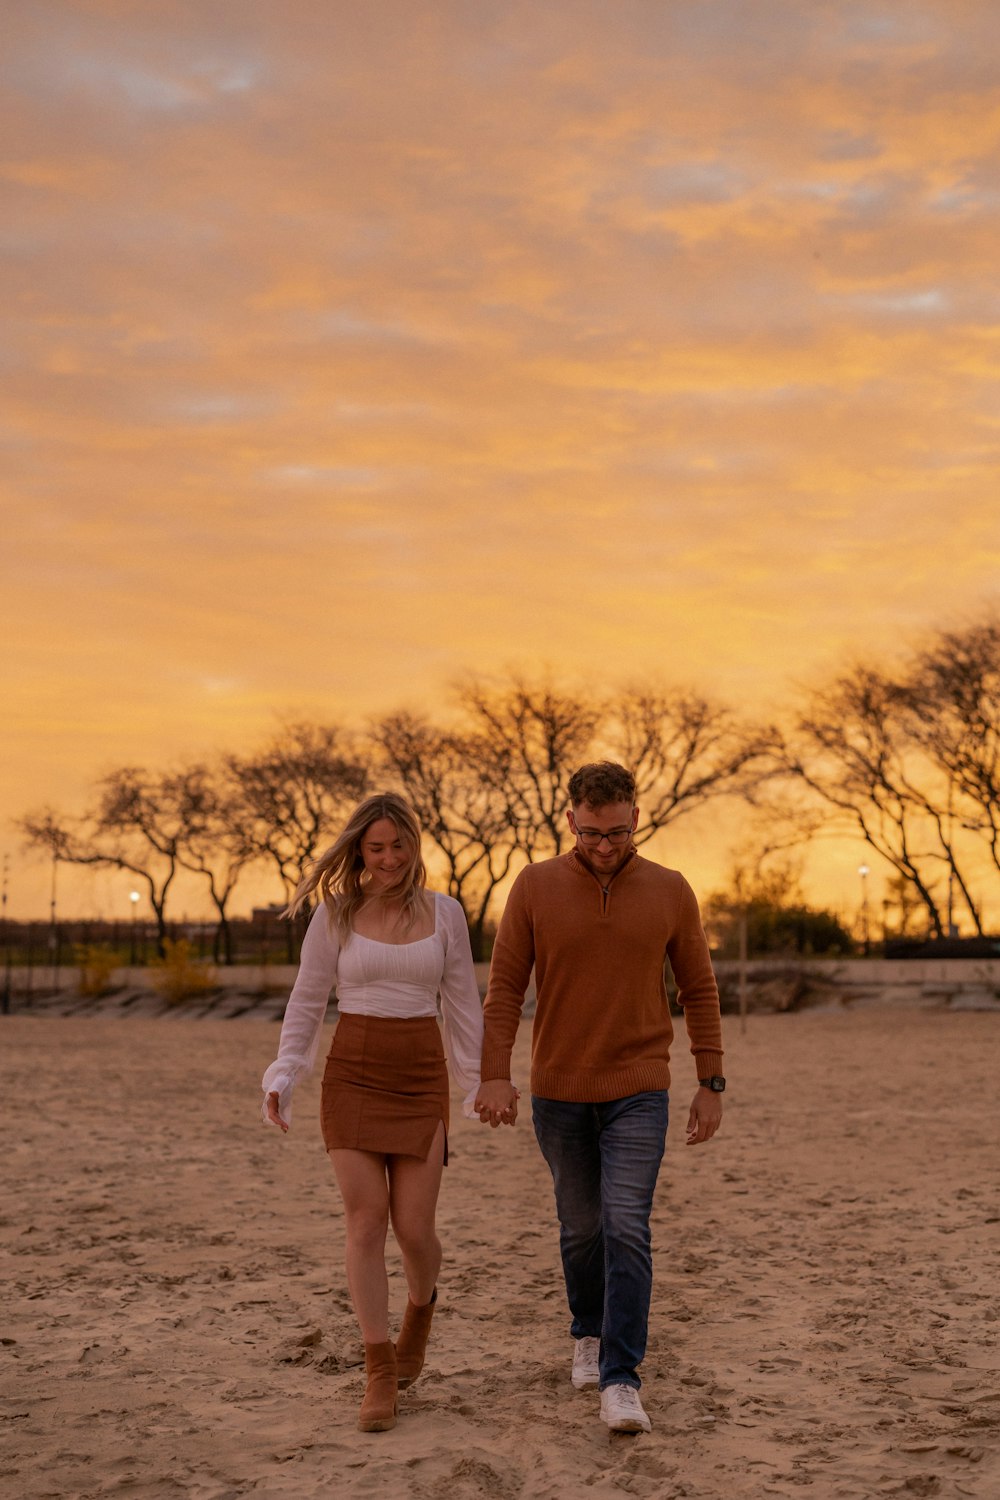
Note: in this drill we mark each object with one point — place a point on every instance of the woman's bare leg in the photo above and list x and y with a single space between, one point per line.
361 1177
413 1195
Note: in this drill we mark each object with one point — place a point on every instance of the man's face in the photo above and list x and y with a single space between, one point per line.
604 834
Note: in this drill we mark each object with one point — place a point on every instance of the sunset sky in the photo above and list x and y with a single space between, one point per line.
347 346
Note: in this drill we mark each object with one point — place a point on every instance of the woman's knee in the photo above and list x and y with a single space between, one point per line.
415 1236
367 1226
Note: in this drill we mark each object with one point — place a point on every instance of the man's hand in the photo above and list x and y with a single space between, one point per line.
705 1116
273 1115
496 1102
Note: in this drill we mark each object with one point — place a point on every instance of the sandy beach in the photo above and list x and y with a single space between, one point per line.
825 1316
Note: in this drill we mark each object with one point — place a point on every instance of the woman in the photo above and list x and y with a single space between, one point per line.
391 948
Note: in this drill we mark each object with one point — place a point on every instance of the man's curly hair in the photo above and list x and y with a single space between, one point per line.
600 782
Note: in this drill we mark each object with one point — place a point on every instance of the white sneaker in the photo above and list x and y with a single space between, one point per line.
586 1370
622 1409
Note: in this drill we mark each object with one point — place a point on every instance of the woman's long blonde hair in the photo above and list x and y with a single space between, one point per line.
338 873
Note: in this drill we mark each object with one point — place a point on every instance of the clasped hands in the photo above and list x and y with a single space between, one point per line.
496 1102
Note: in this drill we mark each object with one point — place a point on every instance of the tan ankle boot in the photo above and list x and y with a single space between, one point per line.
378 1409
412 1341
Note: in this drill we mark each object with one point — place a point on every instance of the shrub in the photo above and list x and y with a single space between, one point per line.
96 967
773 928
180 976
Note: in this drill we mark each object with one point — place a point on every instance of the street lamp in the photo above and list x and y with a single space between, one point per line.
54 927
6 941
864 872
133 896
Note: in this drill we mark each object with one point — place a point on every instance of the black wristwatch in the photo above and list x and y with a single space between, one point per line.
716 1083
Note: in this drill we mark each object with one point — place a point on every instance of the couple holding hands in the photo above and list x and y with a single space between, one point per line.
597 925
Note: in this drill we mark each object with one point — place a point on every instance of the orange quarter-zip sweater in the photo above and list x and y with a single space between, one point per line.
602 1026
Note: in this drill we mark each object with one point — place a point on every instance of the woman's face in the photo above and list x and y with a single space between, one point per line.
383 852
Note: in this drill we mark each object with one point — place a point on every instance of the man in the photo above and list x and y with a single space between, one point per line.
597 924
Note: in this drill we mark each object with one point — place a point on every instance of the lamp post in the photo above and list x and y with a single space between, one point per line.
864 872
133 896
54 927
6 940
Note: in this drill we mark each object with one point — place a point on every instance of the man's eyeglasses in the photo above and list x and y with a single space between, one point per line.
592 838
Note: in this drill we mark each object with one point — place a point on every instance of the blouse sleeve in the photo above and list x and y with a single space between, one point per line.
461 1007
302 1027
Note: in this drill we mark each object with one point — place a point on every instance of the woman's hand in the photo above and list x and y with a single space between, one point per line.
509 1116
496 1102
273 1115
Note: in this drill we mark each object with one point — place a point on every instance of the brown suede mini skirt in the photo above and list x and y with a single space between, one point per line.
385 1086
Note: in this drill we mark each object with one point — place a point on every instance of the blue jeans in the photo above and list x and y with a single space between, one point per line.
604 1160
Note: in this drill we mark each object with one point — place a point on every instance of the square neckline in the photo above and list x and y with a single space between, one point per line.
379 943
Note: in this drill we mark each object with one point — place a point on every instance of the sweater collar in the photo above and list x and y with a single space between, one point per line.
585 865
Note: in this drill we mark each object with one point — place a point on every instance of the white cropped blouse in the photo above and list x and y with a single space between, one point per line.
382 979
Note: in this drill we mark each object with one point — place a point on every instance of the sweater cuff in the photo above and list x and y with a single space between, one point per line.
708 1064
495 1064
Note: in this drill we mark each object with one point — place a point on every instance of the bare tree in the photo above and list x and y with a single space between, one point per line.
290 796
214 843
853 749
952 698
292 793
903 903
134 827
533 735
448 778
684 752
